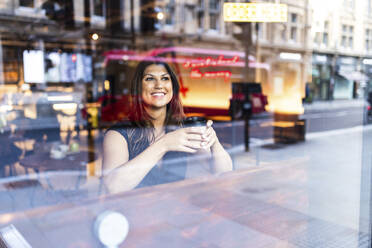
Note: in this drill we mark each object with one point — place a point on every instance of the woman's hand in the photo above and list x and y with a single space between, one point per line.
189 139
210 137
221 159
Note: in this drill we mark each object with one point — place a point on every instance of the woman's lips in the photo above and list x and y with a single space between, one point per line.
158 94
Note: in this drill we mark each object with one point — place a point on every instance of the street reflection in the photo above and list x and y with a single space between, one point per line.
286 101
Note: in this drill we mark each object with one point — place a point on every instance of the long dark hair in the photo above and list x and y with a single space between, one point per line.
143 133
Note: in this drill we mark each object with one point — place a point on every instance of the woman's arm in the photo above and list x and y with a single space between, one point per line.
221 159
123 174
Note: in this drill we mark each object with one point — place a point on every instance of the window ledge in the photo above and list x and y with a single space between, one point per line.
30 12
98 21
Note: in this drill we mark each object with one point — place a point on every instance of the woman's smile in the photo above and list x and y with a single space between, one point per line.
158 94
157 89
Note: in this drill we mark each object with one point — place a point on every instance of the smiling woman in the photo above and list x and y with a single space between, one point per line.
157 89
133 154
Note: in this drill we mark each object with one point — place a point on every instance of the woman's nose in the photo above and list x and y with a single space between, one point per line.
158 84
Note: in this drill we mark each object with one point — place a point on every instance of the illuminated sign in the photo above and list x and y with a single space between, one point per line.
255 12
221 61
33 66
210 62
367 61
290 56
73 57
196 73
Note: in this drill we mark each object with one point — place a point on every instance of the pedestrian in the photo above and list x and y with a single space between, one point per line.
134 154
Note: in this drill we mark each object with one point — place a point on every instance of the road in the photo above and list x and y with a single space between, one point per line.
335 119
316 121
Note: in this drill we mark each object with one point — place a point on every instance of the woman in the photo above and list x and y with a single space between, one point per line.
131 154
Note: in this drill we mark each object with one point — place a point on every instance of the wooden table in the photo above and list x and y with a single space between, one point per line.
206 212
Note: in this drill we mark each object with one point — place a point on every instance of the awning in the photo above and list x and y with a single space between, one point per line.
354 76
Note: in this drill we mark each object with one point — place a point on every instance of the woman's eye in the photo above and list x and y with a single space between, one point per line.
149 79
165 78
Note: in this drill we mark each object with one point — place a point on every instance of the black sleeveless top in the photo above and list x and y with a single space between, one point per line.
172 168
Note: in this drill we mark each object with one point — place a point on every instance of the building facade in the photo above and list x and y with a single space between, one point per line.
279 56
324 52
341 34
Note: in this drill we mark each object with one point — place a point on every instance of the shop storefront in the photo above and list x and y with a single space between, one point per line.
322 71
345 85
205 75
44 89
367 68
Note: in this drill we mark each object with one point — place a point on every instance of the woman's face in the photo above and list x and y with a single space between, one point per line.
157 89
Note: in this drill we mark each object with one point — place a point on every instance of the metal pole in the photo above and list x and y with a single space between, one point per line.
249 76
1 63
132 30
246 34
249 72
246 133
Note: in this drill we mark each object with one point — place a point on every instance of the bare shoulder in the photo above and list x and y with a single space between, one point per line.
115 149
114 136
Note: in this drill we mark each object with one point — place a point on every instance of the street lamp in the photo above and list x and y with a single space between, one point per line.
95 36
160 16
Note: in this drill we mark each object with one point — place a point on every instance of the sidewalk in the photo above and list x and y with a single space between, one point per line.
318 106
266 153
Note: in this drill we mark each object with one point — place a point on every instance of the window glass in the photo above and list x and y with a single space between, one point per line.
214 4
26 3
200 14
98 7
368 39
343 41
293 18
325 38
162 124
170 13
214 15
294 33
214 21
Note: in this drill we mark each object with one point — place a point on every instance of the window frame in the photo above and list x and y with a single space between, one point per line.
200 15
294 25
97 19
216 12
347 39
34 11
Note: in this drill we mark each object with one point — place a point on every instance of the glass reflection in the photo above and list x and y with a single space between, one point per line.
155 131
283 110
